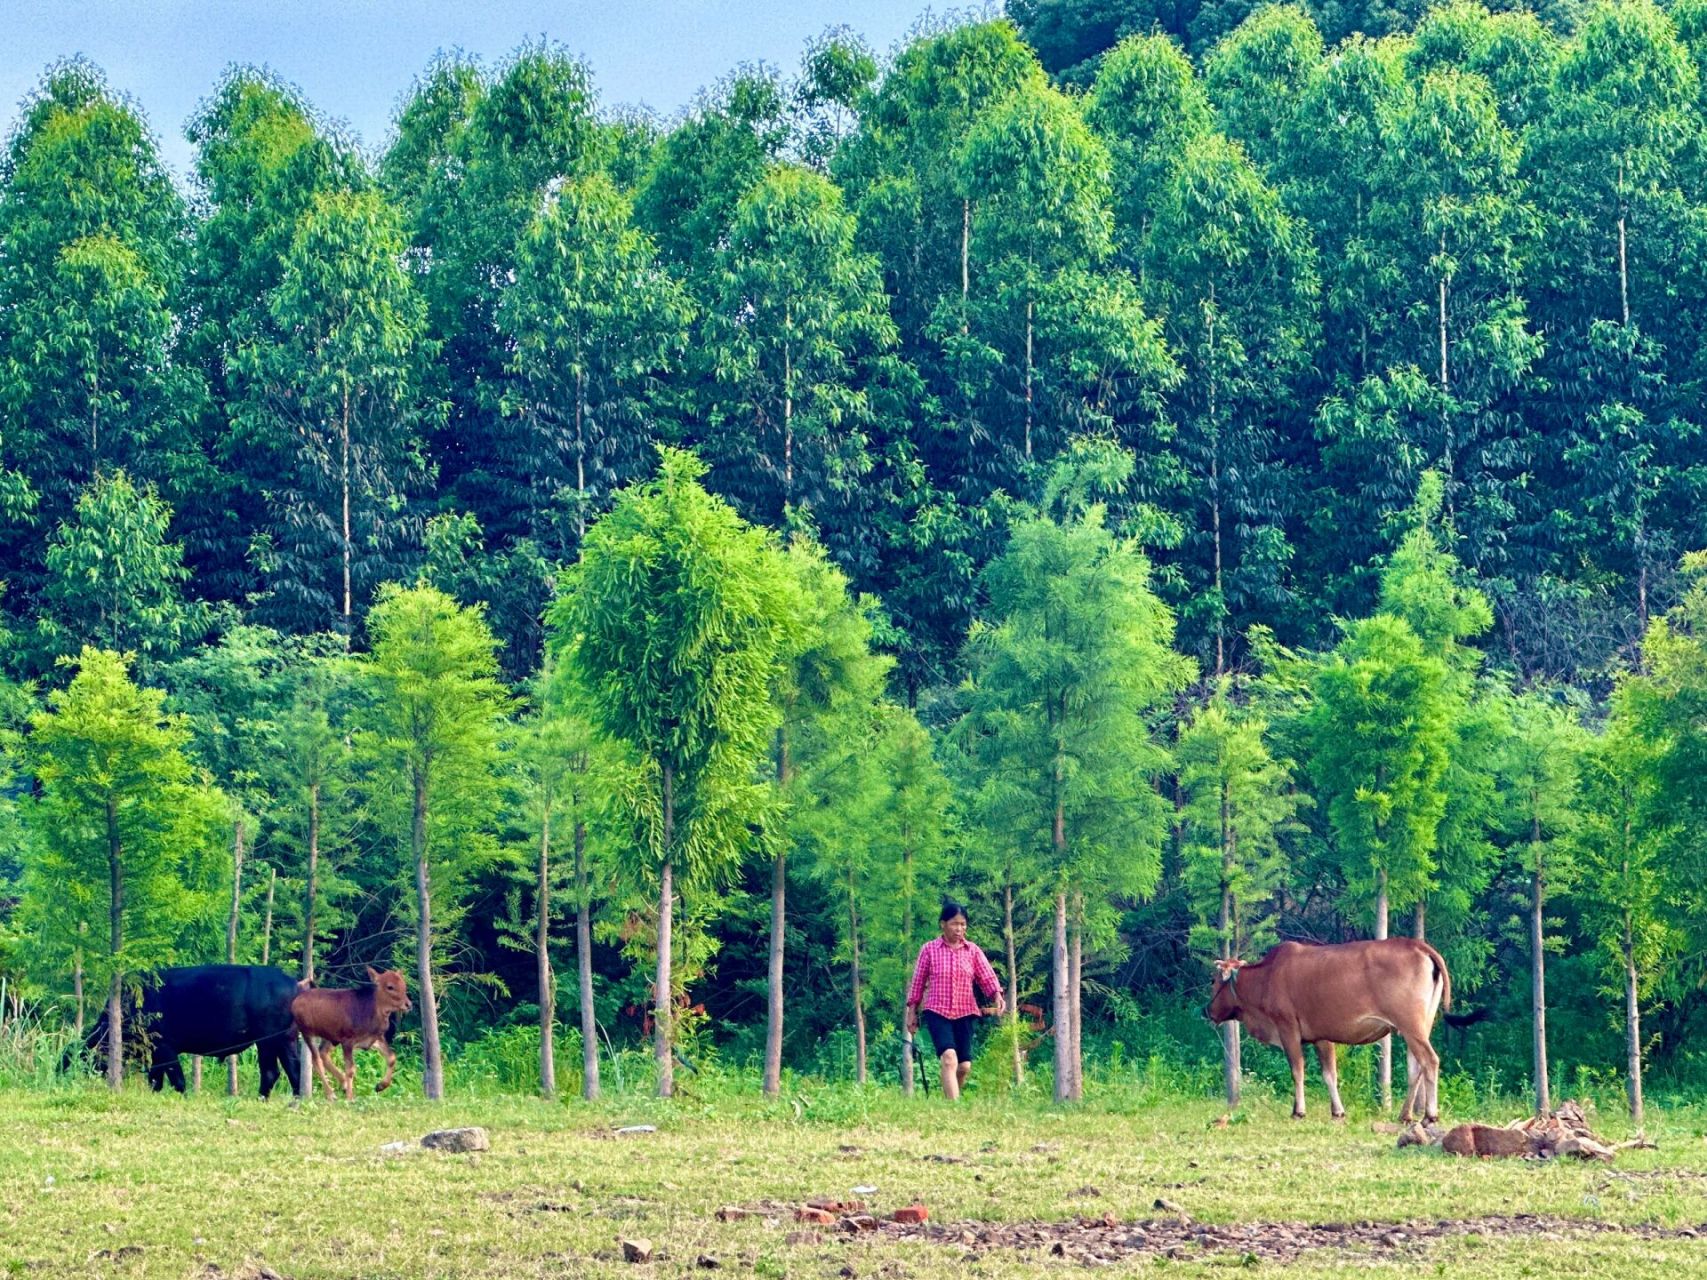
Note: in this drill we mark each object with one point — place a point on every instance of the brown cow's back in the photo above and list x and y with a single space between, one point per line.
1349 992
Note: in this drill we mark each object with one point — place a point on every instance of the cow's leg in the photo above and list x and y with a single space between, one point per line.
1294 1046
164 1066
267 1056
384 1046
1425 1093
1325 1054
349 1072
328 1072
291 1059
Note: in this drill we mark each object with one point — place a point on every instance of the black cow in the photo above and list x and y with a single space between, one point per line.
214 1010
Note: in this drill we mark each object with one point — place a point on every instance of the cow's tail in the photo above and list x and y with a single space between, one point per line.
1442 973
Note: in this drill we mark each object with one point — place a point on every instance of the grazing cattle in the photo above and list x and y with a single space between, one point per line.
214 1010
1349 993
352 1020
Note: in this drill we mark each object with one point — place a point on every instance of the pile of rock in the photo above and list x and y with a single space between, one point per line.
1564 1133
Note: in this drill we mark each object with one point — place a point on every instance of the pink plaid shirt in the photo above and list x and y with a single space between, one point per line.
943 978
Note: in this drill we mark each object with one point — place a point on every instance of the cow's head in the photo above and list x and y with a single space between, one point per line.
390 992
1224 1003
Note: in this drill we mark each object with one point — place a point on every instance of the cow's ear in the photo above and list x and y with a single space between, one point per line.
372 974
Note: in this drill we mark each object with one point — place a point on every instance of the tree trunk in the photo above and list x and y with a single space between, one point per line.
772 1084
77 988
1386 1040
661 983
115 940
1215 485
787 412
1632 1029
305 1069
542 953
1075 1005
432 1063
906 947
196 1073
231 936
1030 308
584 963
1538 984
1013 979
858 990
1231 1067
267 920
965 259
345 435
1446 441
1062 1003
1420 930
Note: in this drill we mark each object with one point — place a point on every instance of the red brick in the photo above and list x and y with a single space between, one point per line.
913 1213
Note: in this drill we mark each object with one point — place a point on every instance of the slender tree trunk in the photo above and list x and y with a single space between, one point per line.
1062 1002
1231 1067
1215 485
348 542
906 946
584 964
1447 443
115 948
432 1064
858 989
1013 974
580 460
1538 980
779 922
1387 1040
666 905
1632 1028
77 988
787 412
965 260
1030 309
231 935
1419 931
196 1073
542 953
1075 985
267 919
305 1069
1623 251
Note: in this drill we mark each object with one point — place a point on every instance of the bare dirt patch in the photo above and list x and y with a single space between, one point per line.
1101 1241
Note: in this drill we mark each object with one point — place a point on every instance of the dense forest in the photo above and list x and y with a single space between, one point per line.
1174 477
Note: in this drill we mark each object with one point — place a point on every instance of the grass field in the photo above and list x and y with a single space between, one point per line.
206 1187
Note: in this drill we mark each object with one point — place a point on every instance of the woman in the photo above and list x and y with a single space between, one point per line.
942 985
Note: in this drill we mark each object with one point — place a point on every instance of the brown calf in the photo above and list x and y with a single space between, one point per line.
353 1020
1350 993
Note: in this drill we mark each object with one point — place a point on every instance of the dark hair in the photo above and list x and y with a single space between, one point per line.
950 909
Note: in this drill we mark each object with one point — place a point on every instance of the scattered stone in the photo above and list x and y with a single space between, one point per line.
848 1273
859 1222
1168 1206
939 1158
398 1148
911 1215
629 1130
637 1250
707 1262
255 1271
1087 1193
968 1237
863 1191
817 1217
457 1140
804 1237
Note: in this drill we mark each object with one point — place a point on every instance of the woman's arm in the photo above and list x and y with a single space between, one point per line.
916 989
987 979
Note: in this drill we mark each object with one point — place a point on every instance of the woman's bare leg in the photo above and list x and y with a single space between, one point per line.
951 1076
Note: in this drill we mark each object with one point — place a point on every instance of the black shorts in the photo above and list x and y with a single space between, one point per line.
950 1033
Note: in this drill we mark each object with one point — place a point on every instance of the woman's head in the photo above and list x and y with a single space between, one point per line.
953 919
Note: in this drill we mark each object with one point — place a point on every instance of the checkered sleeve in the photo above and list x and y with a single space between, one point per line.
921 973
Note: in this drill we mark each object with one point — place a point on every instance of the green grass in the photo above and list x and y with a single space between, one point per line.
144 1185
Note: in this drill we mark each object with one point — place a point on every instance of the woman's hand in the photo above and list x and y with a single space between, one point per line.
910 1022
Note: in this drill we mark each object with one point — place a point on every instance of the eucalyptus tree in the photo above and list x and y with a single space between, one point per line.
1233 276
1238 803
433 736
333 403
1069 669
123 821
1257 74
797 318
670 628
93 231
595 329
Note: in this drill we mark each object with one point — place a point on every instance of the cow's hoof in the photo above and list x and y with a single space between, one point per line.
1339 1116
1297 1115
382 1086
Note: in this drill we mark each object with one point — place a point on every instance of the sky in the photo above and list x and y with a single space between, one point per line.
354 59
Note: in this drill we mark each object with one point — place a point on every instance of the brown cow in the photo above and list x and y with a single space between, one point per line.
353 1020
1349 993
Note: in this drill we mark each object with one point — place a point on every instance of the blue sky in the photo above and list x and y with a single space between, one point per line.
355 58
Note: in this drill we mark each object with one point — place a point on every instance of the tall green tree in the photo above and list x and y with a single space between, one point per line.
124 815
1067 674
1238 804
671 626
1380 733
1257 75
335 404
115 578
434 735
